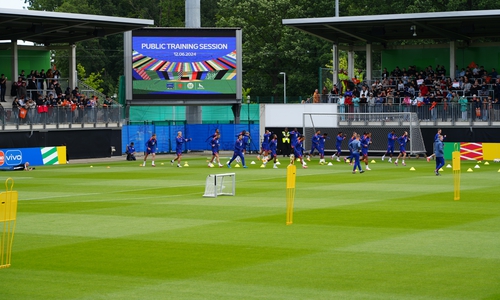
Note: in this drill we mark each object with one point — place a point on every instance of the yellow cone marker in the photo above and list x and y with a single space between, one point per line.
373 161
469 170
486 163
441 170
237 166
412 169
263 166
186 164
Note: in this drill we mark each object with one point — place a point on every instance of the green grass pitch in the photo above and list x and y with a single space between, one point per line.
127 232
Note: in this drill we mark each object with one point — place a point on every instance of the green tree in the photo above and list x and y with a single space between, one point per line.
270 48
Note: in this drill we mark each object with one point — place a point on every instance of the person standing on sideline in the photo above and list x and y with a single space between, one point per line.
150 149
179 141
338 145
391 138
239 147
215 150
273 145
402 140
285 140
355 148
439 154
436 137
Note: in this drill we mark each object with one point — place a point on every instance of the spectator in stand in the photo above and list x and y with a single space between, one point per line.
49 76
496 109
57 88
106 107
335 91
50 88
476 107
363 95
32 88
15 108
467 86
463 107
396 73
324 95
3 87
53 109
348 100
441 71
316 97
496 87
22 75
487 107
493 74
341 104
424 90
385 74
475 87
371 103
411 90
42 82
40 114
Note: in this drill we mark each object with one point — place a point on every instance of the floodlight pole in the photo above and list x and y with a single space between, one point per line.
284 86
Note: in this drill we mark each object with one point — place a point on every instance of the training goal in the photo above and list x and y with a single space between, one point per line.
379 124
220 184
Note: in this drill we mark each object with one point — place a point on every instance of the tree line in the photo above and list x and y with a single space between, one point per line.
268 47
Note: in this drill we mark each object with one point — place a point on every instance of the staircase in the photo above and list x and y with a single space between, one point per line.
89 91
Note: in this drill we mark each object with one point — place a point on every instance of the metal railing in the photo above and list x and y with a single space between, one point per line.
56 117
454 113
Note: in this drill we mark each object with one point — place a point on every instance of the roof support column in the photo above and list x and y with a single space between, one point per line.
192 11
453 63
350 62
368 73
72 67
14 62
335 67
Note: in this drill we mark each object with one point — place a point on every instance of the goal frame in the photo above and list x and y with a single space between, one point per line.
213 190
346 122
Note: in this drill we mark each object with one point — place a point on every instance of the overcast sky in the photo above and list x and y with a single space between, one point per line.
17 4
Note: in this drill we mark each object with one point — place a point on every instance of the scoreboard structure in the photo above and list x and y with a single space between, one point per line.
183 66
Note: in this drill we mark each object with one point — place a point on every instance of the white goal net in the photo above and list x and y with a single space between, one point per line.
379 124
220 184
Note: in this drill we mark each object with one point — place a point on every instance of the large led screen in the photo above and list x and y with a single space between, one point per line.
185 64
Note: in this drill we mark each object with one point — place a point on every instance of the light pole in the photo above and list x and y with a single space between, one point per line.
284 86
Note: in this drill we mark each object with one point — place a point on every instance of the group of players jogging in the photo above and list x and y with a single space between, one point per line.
358 146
